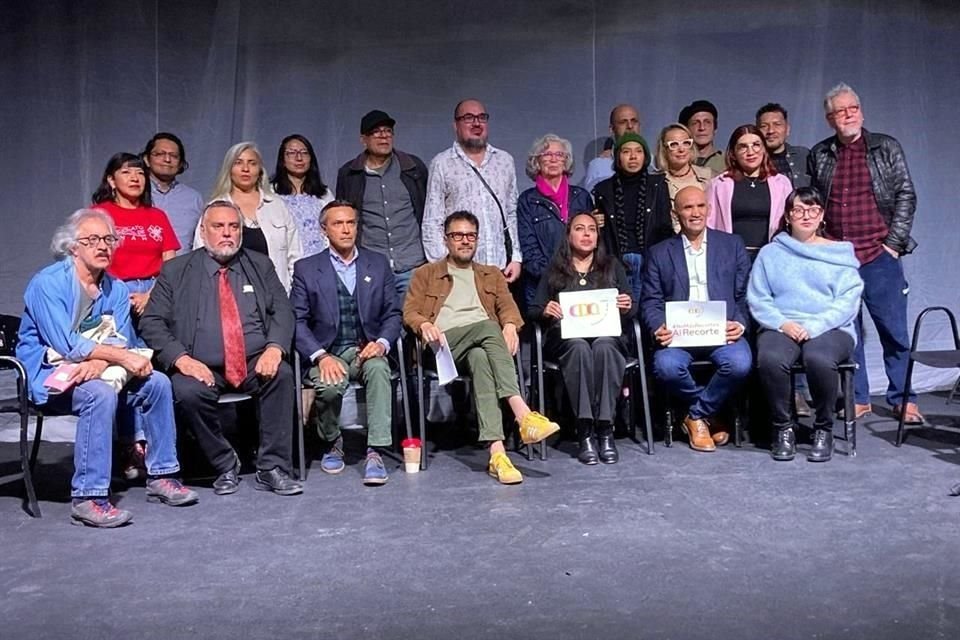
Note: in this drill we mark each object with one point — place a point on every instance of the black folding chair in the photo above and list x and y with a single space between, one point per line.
635 374
940 359
846 371
21 405
700 368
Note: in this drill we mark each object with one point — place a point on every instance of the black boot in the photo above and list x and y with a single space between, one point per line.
784 445
606 447
588 451
822 449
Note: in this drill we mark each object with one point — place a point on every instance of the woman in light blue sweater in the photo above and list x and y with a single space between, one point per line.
804 292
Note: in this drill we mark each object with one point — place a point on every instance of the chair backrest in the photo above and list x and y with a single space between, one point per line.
9 334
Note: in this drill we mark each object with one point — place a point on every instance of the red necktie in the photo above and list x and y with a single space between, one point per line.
234 358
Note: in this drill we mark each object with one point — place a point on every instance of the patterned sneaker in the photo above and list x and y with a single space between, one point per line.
170 491
503 470
374 472
535 427
332 460
98 512
134 461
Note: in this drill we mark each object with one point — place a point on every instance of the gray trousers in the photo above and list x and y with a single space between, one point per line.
592 371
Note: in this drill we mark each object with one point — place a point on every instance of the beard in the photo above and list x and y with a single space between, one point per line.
474 144
223 255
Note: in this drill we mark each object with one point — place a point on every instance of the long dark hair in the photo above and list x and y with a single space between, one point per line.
312 182
560 272
105 193
767 169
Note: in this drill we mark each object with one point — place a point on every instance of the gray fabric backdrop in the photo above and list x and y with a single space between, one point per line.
82 81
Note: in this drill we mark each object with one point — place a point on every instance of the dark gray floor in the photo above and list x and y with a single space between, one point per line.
675 545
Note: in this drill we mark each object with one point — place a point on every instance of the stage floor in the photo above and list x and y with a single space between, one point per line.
682 545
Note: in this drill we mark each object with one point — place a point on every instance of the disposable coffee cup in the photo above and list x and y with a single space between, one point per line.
411 455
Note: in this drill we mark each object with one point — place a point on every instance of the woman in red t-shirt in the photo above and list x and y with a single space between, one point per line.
146 237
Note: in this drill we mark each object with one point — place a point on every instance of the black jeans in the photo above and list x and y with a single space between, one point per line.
821 357
196 407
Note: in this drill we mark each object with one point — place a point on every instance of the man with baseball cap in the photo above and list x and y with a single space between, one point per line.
388 188
700 116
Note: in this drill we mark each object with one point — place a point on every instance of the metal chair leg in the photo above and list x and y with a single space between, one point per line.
33 507
901 424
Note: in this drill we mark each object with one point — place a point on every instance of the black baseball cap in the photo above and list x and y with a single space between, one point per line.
374 119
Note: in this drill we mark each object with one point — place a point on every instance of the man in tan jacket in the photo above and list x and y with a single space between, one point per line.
469 307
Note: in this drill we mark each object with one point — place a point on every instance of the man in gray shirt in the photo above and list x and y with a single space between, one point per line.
167 159
388 187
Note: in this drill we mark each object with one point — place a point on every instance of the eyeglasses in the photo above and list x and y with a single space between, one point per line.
296 153
94 241
460 236
381 132
676 145
554 155
852 110
749 146
806 212
172 155
471 118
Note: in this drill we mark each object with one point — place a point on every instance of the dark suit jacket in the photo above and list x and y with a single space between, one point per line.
169 323
665 277
314 298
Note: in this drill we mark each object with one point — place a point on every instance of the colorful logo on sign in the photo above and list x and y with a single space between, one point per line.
584 310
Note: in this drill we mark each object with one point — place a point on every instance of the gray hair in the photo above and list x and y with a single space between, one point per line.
65 237
539 146
223 183
840 89
216 204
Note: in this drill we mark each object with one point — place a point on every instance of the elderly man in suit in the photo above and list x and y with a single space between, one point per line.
347 316
219 320
696 266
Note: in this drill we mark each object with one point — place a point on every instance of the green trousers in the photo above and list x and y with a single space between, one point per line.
480 352
375 376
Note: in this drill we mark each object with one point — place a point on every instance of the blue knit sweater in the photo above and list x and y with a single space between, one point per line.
817 285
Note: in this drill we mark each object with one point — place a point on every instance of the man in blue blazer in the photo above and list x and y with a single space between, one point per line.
348 315
696 266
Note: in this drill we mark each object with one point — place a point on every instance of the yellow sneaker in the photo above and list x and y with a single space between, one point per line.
535 427
503 470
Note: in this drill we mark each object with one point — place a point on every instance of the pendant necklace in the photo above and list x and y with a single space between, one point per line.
583 278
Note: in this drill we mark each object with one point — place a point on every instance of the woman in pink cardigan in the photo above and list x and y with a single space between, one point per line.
748 198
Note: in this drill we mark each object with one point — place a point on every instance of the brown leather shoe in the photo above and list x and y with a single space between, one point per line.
912 415
699 434
861 410
719 431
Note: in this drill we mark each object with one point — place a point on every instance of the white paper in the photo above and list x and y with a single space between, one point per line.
589 314
697 324
446 367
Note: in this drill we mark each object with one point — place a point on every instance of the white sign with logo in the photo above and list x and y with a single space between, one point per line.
589 314
697 324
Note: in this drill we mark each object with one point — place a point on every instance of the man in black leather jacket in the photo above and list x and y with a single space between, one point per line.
870 201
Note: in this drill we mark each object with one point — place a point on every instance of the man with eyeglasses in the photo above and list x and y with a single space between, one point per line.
623 118
467 307
870 201
388 188
166 158
67 344
475 176
700 116
790 160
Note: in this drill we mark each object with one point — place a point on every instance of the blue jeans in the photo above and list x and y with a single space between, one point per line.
671 366
126 431
885 296
401 280
140 285
146 402
634 264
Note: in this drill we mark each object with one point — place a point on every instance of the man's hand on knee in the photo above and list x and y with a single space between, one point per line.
332 370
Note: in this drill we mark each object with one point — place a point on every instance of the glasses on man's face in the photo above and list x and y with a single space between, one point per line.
460 236
472 118
676 145
94 241
382 132
554 155
805 212
296 153
172 155
843 112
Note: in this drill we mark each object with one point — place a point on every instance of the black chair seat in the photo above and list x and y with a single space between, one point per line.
939 359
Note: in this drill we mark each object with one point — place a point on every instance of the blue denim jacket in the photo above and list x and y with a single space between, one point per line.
51 302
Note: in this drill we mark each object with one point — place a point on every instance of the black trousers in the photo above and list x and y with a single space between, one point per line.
821 357
196 406
592 371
